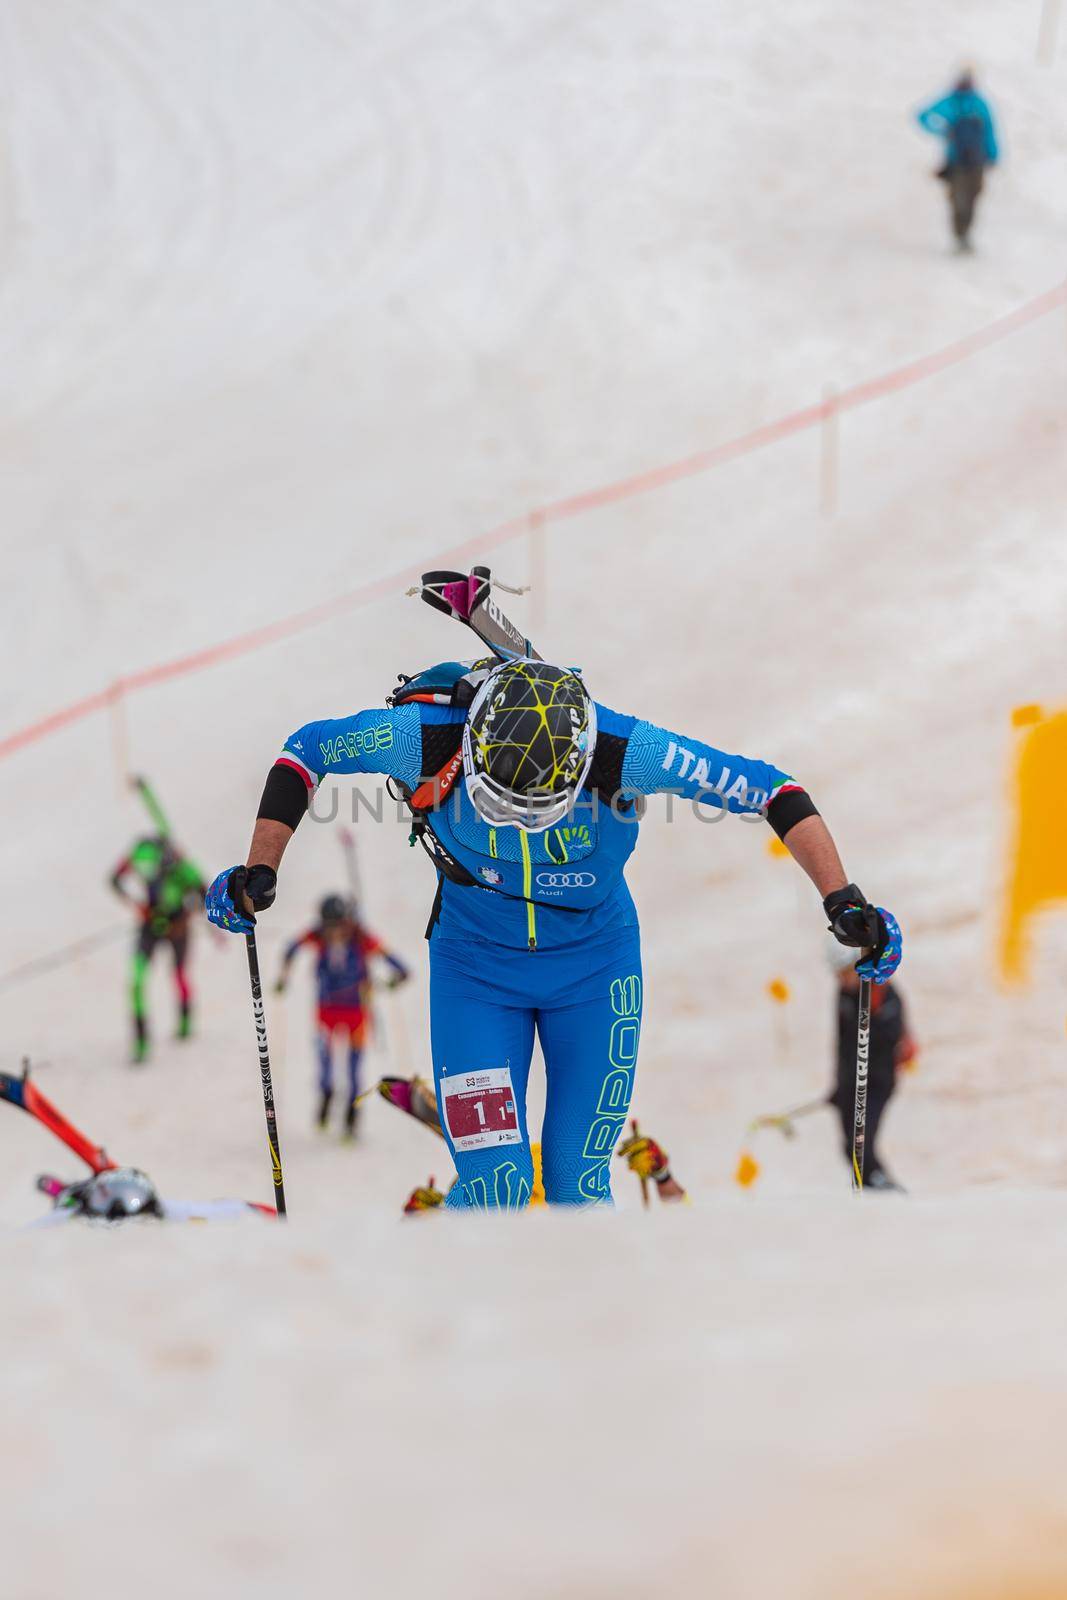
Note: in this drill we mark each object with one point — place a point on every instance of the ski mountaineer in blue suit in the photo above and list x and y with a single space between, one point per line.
527 794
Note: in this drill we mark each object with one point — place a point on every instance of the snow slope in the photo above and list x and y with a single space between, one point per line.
294 296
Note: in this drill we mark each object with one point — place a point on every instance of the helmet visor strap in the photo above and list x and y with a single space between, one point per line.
502 809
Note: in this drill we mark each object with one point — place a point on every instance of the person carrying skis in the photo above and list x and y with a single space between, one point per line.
343 948
170 886
963 119
891 1047
527 793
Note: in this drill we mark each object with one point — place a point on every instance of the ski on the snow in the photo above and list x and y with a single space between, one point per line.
22 1092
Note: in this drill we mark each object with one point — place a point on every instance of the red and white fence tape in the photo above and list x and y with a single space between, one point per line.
555 511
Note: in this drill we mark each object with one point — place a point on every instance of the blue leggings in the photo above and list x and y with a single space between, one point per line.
485 1003
353 1033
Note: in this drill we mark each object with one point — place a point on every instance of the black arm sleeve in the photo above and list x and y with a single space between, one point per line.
285 797
790 808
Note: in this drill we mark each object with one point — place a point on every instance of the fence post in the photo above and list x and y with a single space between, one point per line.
1047 32
829 459
120 742
536 568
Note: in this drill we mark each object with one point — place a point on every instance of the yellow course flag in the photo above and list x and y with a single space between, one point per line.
1037 870
747 1170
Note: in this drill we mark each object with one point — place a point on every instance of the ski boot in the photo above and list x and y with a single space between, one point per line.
325 1100
880 1179
140 1042
185 1021
351 1119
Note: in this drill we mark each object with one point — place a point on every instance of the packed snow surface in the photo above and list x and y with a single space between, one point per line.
298 296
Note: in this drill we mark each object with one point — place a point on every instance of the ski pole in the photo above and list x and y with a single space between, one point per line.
644 1181
348 845
863 1047
260 1018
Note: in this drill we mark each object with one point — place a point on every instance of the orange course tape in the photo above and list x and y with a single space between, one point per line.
555 511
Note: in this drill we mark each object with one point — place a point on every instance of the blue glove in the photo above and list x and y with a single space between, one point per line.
885 958
856 923
259 884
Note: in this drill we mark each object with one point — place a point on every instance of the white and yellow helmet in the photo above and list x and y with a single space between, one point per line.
528 745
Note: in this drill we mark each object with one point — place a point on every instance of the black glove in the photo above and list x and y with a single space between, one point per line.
854 921
258 883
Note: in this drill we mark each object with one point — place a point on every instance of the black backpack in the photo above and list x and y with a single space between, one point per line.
968 141
451 683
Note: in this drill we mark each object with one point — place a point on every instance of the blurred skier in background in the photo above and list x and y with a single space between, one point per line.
963 119
891 1048
170 886
343 948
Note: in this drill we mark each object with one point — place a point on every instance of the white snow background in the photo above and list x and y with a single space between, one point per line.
296 295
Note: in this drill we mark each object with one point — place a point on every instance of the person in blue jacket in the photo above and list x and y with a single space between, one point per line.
528 794
963 119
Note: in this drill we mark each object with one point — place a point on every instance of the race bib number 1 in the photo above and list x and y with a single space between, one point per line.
480 1109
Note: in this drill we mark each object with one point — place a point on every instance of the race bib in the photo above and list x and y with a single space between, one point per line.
480 1109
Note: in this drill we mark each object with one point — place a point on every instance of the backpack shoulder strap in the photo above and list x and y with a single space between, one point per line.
449 683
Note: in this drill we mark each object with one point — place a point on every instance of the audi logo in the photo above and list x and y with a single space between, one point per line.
566 880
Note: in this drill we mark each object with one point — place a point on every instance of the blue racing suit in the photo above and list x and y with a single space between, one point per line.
541 934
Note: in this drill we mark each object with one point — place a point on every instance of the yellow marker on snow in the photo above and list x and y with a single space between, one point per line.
776 848
747 1170
1026 716
779 991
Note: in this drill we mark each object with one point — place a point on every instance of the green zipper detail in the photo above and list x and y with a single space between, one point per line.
492 842
527 889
